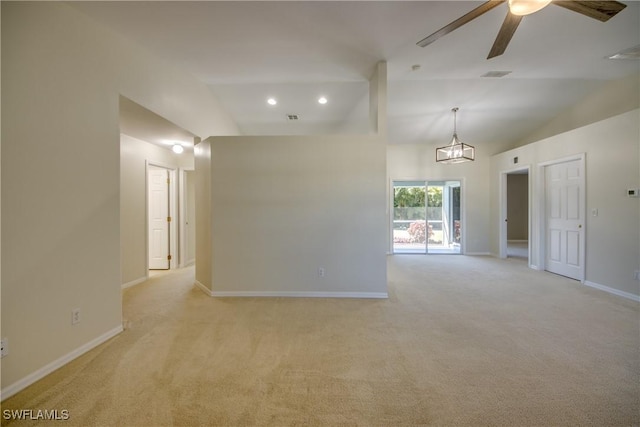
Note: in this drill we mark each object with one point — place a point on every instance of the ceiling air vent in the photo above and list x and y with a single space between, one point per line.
293 117
496 74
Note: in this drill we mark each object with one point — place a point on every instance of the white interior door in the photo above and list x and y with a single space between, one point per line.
159 218
564 202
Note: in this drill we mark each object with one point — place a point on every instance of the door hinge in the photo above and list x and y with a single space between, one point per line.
169 257
168 181
168 219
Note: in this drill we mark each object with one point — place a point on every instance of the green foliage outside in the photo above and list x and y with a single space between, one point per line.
434 197
409 203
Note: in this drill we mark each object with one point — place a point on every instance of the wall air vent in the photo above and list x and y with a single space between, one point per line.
496 74
292 117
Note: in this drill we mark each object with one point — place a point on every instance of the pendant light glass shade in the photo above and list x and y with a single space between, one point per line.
456 151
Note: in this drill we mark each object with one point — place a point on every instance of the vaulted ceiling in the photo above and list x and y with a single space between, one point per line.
297 51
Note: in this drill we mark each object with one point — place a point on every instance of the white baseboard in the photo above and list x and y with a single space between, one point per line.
300 294
203 288
478 253
134 282
613 291
289 294
56 364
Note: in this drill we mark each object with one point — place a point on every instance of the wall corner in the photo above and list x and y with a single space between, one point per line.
378 100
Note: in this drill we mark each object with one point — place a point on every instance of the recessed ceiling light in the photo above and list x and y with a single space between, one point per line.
177 148
272 101
322 100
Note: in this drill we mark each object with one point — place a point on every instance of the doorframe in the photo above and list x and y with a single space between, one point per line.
182 207
542 209
503 202
172 211
463 211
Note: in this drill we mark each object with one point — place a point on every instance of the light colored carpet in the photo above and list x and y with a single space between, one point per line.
461 341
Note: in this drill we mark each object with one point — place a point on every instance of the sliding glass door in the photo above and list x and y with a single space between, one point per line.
426 217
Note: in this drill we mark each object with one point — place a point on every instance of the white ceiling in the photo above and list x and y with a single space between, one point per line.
296 51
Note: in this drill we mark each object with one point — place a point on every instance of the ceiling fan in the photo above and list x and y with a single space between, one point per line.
600 10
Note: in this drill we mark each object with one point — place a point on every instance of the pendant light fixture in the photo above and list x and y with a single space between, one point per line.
456 151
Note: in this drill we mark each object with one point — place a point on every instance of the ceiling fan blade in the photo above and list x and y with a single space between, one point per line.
600 10
480 10
505 34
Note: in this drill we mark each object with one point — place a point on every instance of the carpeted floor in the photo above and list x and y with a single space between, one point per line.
461 340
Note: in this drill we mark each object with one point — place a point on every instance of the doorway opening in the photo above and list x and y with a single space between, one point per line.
515 207
427 217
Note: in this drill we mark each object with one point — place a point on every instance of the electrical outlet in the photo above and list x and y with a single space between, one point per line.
321 272
75 316
4 347
636 274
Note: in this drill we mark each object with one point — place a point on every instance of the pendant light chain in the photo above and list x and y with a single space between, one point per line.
455 125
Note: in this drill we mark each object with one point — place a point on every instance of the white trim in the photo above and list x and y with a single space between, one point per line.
134 282
577 156
290 294
503 204
203 288
56 364
517 241
300 294
479 254
182 214
613 291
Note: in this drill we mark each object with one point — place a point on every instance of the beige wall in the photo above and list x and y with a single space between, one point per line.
134 156
282 207
61 77
612 150
518 206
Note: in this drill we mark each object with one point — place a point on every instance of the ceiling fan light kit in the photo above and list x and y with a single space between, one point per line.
457 151
526 7
600 10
